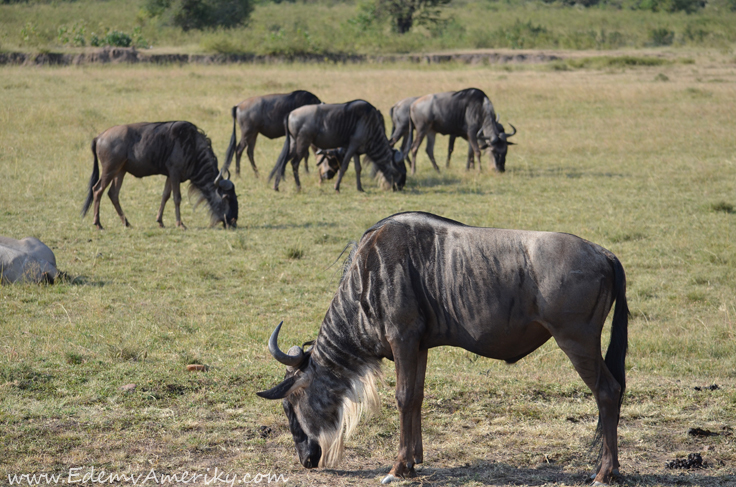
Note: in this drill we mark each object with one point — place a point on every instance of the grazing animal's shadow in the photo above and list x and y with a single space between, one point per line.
492 473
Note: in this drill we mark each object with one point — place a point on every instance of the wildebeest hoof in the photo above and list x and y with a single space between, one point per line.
388 479
181 225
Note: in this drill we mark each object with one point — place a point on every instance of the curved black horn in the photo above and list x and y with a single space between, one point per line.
284 358
511 134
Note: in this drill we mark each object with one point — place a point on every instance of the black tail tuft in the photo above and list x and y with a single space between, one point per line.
93 179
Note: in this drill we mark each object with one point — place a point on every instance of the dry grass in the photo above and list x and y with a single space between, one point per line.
643 167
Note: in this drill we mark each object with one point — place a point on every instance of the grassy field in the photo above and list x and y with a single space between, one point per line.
327 26
641 160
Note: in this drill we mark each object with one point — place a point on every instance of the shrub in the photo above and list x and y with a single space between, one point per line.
112 38
200 14
661 37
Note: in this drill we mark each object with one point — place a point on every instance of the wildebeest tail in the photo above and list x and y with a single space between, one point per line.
231 148
394 138
616 353
284 156
93 179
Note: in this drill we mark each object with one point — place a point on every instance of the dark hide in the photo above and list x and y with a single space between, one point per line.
418 281
177 150
468 114
357 126
262 115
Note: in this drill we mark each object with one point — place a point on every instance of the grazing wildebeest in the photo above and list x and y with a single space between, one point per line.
404 130
418 281
468 114
263 115
401 126
177 150
26 260
329 162
356 125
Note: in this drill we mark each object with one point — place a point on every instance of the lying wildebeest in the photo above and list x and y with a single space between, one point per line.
177 150
263 115
26 260
356 125
468 114
418 281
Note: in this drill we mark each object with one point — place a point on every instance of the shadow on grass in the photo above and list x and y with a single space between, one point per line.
296 225
65 278
562 172
491 473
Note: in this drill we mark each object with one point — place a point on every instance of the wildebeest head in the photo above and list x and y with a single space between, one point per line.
329 162
320 404
400 165
498 141
304 410
226 191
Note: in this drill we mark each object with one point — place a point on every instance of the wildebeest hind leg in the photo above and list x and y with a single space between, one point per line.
251 142
97 191
164 199
431 136
114 193
587 360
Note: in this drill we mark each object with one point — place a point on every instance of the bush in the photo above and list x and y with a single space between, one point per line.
200 14
113 38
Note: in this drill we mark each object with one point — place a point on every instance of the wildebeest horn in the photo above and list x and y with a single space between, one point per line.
284 358
221 175
511 134
319 151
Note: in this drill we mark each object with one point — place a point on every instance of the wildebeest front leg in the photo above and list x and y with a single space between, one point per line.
114 192
344 166
410 367
164 199
471 159
473 143
358 168
177 201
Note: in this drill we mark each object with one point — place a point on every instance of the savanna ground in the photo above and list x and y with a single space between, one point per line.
639 159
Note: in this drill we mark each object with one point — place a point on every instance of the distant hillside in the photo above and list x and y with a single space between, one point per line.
340 28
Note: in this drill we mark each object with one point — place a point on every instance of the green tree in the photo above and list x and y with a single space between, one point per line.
406 13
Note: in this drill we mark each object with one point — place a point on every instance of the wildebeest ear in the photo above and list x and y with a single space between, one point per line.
510 143
288 386
280 391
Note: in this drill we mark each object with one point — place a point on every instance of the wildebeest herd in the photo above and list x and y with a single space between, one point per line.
414 281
